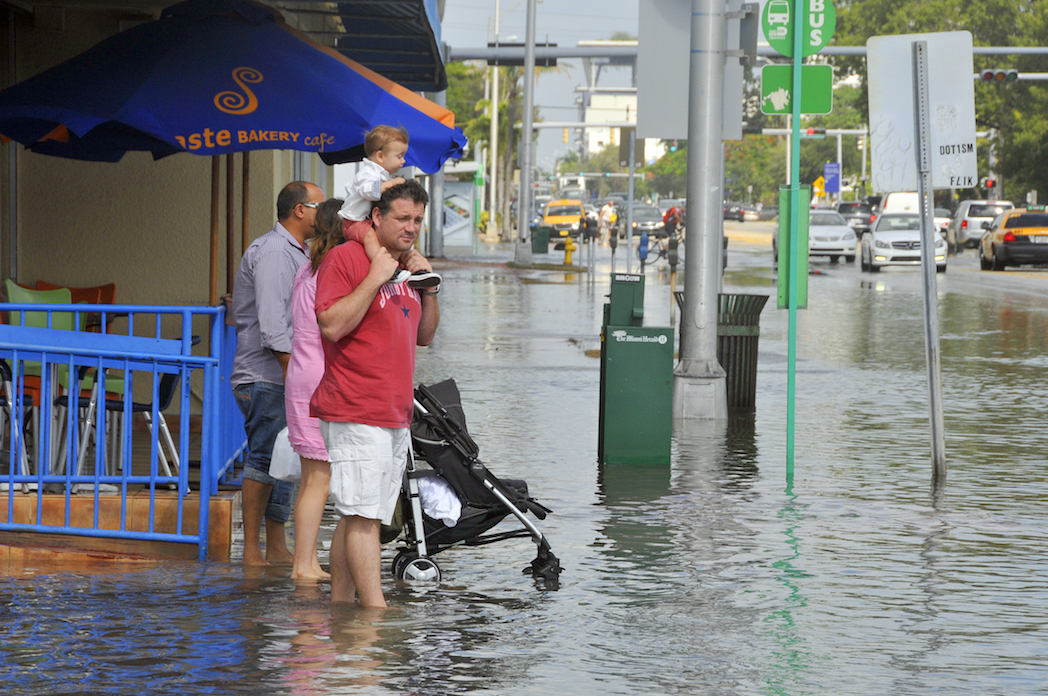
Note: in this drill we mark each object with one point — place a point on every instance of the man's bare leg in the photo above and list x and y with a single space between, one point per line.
253 499
277 552
364 557
343 589
309 510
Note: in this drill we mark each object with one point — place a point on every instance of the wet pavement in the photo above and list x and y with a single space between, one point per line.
703 577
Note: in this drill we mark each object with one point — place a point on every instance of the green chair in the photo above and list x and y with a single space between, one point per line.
66 321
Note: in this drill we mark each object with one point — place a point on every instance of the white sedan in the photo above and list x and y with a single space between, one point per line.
895 240
828 235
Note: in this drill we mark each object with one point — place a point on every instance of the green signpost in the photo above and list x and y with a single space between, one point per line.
794 28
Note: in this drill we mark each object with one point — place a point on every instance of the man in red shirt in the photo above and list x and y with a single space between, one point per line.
365 398
672 220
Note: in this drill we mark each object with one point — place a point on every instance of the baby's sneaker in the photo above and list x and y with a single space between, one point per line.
423 280
399 276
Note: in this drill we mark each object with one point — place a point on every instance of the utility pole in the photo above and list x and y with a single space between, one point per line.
699 389
493 147
522 255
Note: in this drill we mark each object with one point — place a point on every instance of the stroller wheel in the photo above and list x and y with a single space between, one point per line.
420 570
399 561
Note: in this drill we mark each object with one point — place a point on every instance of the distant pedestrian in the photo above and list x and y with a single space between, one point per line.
607 219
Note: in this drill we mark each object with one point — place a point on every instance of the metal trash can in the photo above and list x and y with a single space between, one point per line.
540 240
738 328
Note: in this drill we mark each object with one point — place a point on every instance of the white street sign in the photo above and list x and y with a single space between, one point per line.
952 101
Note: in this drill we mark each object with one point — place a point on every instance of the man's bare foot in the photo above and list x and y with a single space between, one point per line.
281 557
254 559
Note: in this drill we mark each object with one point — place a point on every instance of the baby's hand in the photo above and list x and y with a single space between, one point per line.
397 181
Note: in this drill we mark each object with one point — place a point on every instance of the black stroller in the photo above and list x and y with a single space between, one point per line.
439 437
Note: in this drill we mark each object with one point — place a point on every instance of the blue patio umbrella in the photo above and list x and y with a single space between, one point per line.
216 77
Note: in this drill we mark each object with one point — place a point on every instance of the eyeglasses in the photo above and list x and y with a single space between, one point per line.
313 205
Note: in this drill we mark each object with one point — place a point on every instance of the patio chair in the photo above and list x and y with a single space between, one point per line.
8 411
31 371
88 433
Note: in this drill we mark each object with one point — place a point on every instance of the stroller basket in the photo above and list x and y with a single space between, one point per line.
440 438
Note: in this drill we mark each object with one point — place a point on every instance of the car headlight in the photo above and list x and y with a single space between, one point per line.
574 225
881 244
659 224
940 242
849 236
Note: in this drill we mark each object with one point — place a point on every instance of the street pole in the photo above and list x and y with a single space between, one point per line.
840 170
928 235
629 204
436 203
493 149
699 381
865 147
522 254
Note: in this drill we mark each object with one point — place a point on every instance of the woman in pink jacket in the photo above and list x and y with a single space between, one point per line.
304 371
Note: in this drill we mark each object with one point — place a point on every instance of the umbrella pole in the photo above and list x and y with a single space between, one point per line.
212 294
230 222
245 175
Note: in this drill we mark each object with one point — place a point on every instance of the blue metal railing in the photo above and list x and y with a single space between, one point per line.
68 412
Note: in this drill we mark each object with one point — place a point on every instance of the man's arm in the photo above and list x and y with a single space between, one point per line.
427 326
338 320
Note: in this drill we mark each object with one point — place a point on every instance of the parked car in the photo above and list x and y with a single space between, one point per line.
563 218
895 240
1016 237
858 215
667 203
900 202
750 213
646 218
734 211
966 228
942 220
828 235
769 212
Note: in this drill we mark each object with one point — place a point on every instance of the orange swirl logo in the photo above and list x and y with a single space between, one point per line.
236 103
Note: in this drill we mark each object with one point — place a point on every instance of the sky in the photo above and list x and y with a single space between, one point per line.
468 24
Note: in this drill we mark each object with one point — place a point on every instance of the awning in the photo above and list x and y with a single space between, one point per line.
398 39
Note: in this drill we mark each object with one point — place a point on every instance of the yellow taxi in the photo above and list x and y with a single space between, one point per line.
563 218
1015 237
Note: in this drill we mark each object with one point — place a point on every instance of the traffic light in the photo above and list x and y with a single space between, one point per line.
813 133
990 183
673 146
1000 75
565 135
862 143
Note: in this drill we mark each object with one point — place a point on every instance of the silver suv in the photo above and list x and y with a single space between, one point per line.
965 228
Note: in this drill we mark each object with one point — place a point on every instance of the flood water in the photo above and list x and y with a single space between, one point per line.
709 576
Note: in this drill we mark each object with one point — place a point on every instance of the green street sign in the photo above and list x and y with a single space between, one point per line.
777 89
777 20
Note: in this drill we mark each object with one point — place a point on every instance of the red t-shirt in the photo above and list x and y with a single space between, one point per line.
368 374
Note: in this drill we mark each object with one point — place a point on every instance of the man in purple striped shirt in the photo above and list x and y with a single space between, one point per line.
262 311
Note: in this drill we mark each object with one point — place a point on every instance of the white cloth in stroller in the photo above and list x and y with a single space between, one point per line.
439 500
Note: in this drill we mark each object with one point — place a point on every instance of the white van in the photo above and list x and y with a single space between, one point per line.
901 202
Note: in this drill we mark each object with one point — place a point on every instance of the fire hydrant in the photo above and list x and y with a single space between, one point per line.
569 246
